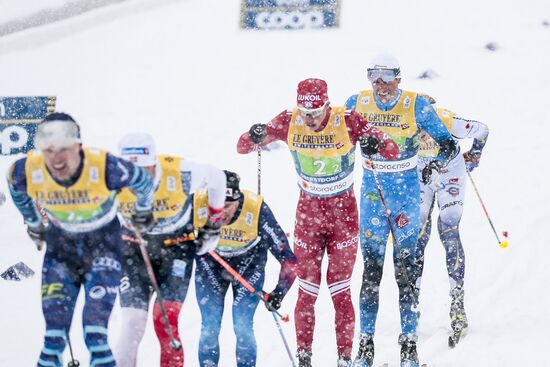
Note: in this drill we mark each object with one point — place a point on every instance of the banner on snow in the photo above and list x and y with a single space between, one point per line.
289 14
18 119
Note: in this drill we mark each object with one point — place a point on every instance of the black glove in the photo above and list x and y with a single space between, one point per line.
143 220
207 238
37 235
428 175
257 133
471 158
369 145
273 301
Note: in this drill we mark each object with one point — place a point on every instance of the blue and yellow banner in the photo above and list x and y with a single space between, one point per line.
18 119
290 14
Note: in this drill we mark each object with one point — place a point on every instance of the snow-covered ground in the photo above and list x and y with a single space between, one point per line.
184 72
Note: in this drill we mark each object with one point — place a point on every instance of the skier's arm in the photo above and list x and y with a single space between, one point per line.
271 232
359 127
351 103
464 128
17 184
120 173
204 176
428 120
276 129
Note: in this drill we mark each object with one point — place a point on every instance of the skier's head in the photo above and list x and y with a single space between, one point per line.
58 137
312 102
232 196
384 72
139 148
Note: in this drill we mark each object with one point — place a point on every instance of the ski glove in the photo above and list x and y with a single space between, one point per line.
369 145
257 133
207 238
273 301
471 158
2 198
430 173
37 234
143 220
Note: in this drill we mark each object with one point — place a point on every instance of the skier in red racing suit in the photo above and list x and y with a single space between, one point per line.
322 139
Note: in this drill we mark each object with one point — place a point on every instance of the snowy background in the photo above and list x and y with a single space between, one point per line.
183 71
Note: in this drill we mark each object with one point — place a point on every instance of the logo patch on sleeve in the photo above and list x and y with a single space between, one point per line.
402 220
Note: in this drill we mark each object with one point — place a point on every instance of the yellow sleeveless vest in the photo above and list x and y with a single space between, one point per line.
429 149
241 235
399 123
170 203
84 206
324 160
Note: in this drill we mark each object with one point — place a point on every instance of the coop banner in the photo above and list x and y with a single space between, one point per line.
289 14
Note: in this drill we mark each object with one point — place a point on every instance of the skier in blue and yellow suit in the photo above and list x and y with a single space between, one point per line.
249 231
401 115
76 187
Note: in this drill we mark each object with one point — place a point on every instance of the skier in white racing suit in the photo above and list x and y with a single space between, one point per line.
450 188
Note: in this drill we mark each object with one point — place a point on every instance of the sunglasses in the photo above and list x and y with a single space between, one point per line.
316 112
387 75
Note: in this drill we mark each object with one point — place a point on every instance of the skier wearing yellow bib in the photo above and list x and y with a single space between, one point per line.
450 189
402 115
188 196
76 187
248 233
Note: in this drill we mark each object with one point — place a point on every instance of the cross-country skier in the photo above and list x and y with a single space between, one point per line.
322 139
170 243
76 187
402 115
450 189
249 231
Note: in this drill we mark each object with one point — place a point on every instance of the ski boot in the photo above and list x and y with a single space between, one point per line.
304 358
459 321
344 361
409 356
365 354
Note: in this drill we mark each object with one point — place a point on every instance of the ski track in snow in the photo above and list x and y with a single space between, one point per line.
185 73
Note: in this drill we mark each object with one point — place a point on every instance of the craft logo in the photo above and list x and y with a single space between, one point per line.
19 117
289 14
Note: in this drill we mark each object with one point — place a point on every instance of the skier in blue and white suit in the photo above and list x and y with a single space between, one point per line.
249 231
76 188
402 115
450 189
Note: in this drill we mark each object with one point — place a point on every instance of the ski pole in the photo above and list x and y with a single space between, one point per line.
276 318
258 293
261 295
174 343
259 170
394 237
73 362
502 244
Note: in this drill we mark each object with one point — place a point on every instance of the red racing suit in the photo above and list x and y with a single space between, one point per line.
326 216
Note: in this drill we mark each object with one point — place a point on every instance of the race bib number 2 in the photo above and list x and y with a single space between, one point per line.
320 166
